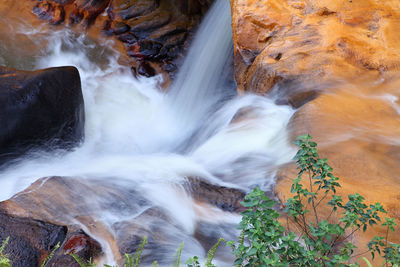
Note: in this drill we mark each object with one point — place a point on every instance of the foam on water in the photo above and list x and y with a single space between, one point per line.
151 140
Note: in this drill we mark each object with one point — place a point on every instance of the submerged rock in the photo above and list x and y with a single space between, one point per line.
37 108
115 212
225 198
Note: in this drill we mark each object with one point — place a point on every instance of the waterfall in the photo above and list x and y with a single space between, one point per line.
140 138
201 81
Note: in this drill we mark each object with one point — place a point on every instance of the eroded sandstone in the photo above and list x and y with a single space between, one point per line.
303 42
338 64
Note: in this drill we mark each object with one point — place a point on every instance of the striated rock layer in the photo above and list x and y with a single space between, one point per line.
154 32
338 64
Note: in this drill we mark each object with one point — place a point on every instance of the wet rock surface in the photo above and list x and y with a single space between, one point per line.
39 108
78 243
69 205
225 198
153 32
31 241
75 204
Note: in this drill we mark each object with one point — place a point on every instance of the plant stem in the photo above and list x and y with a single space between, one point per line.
319 202
312 198
386 242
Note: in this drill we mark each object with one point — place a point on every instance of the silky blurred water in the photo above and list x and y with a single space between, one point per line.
151 140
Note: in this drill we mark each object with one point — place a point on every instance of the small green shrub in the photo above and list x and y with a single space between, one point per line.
193 262
133 261
322 241
130 261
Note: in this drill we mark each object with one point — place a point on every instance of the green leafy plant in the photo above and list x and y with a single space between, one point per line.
193 262
130 261
50 255
82 262
4 260
211 253
133 261
320 241
178 254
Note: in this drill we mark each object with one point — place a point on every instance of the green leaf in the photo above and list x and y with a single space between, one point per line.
50 255
178 254
367 261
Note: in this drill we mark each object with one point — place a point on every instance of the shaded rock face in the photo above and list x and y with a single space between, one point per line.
31 241
77 242
154 32
338 62
39 107
225 198
111 210
76 204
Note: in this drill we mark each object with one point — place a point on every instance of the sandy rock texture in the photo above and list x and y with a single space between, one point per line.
338 64
302 42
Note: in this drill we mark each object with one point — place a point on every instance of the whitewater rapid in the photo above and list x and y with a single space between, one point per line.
153 140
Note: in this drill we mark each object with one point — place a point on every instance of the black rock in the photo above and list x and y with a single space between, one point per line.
146 70
30 241
37 108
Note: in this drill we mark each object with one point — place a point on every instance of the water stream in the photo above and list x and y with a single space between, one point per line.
139 137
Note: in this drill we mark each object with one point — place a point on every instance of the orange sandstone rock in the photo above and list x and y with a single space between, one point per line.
338 63
312 41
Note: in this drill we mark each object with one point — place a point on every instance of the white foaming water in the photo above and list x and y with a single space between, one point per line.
200 82
152 141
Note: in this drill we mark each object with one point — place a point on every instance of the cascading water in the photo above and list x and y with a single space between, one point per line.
202 78
140 138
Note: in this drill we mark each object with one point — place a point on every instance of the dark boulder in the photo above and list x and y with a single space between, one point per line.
79 244
31 241
225 198
37 108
